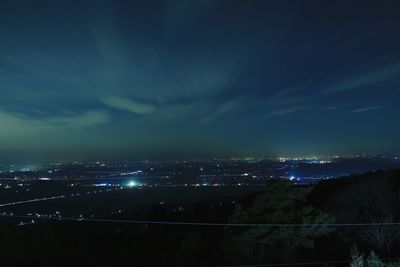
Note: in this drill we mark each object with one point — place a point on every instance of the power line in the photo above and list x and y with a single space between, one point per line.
309 225
289 264
301 263
217 225
206 224
30 201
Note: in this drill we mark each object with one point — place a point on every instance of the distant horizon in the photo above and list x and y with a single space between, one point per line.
200 158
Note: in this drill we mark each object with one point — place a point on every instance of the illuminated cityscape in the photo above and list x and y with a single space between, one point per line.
79 181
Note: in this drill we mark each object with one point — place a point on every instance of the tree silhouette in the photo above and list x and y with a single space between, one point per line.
282 203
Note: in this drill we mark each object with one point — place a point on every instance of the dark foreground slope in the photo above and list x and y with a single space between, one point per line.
372 197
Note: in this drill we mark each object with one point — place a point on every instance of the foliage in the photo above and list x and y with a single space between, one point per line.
282 203
359 260
367 198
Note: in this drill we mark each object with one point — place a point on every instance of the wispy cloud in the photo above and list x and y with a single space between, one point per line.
225 108
330 108
288 97
286 111
365 109
128 105
18 124
87 119
365 79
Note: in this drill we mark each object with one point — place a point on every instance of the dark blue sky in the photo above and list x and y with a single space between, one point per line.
120 79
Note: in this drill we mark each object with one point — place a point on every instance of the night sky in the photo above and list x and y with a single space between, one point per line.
123 79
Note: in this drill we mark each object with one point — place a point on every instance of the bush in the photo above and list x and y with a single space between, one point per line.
359 260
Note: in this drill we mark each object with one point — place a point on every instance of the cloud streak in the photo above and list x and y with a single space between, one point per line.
17 124
225 108
372 77
365 109
128 105
286 111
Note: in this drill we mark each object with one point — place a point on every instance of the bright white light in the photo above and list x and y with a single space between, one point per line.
292 178
132 183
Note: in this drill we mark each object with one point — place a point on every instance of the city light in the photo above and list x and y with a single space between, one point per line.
132 183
